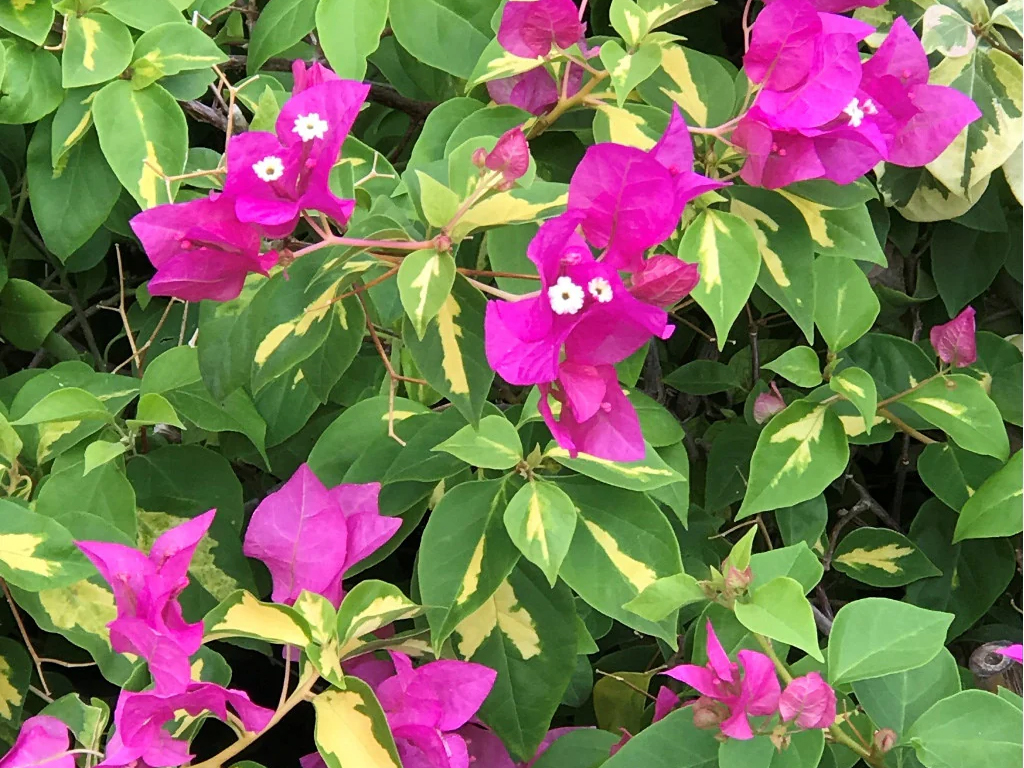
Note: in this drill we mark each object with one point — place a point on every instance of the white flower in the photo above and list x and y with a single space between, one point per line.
870 108
600 289
270 168
565 296
310 127
855 112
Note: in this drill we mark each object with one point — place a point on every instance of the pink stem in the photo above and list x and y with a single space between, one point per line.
397 245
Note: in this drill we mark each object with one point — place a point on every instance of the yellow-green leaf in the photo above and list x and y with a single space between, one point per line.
959 405
351 730
425 281
242 615
541 520
98 48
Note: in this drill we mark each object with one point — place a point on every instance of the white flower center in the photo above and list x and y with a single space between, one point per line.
565 296
270 168
855 112
870 108
310 127
600 289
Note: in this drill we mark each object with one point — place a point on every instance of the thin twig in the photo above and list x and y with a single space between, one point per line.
872 504
121 308
24 636
83 321
904 427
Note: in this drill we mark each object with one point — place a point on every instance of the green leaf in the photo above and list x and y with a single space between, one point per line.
71 493
15 676
465 554
725 247
171 48
644 475
143 135
796 561
98 48
896 701
960 280
857 386
693 81
425 281
953 474
992 79
628 70
895 364
882 558
704 377
369 606
527 631
959 406
957 731
839 227
787 251
351 729
629 21
494 444
28 313
674 742
798 454
660 13
101 452
779 611
665 596
71 404
451 353
614 557
349 31
946 31
281 24
37 553
845 307
995 509
540 520
437 35
798 365
30 19
542 200
71 202
876 636
750 753
142 16
242 615
154 409
31 83
582 748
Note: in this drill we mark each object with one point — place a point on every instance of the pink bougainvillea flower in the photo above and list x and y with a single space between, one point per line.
42 742
582 308
809 701
273 178
747 688
1015 652
484 747
774 158
954 342
308 76
666 702
534 91
842 6
664 280
782 44
511 155
141 739
550 738
530 28
595 417
149 621
309 535
767 404
621 193
427 708
200 249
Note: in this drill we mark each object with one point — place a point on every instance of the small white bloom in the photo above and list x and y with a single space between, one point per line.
565 296
310 127
600 289
855 112
870 108
270 168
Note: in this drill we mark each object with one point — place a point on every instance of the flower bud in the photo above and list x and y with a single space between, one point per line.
810 701
737 581
443 243
479 157
664 280
708 713
885 739
954 342
510 156
768 404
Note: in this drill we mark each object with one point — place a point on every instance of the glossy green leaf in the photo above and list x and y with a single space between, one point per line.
168 49
31 83
437 34
796 561
895 701
845 307
798 365
645 475
674 742
97 49
351 729
425 281
779 611
541 520
71 404
704 377
281 24
349 31
954 732
881 558
959 405
666 595
995 508
857 386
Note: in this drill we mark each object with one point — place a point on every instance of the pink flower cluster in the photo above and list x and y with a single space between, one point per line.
821 112
203 249
534 29
732 692
567 338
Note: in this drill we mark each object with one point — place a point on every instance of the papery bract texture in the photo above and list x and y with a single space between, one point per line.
42 742
200 249
664 280
530 28
511 155
308 76
955 342
767 404
534 91
309 535
149 620
809 701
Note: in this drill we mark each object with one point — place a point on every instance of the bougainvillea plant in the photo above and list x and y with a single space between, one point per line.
519 383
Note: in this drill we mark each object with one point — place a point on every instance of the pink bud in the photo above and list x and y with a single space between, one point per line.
511 155
664 280
738 581
768 404
885 739
479 157
708 713
954 341
810 701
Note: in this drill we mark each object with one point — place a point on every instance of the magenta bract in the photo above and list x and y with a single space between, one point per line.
954 342
511 155
309 535
534 91
767 404
43 741
809 701
529 29
664 280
